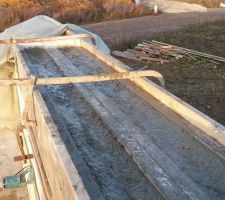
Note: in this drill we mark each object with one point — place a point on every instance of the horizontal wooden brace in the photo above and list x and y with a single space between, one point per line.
193 52
22 158
31 40
80 79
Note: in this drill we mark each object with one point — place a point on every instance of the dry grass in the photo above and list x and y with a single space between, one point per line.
71 11
12 13
206 3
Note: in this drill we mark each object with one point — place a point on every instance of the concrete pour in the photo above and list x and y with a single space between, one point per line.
191 167
110 166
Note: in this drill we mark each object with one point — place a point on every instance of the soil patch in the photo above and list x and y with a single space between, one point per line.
198 82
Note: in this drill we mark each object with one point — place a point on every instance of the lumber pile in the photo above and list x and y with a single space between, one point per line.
152 52
159 52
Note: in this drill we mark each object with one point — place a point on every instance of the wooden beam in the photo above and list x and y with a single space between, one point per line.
70 32
197 53
23 158
20 143
63 177
28 103
79 79
31 40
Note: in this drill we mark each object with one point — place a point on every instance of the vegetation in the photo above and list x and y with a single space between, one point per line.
198 81
72 11
207 37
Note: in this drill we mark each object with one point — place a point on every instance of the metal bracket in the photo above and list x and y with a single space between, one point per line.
22 178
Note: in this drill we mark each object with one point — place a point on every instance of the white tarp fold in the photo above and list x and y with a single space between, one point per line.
43 26
37 27
100 44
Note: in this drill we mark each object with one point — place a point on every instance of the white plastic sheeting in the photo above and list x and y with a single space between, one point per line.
43 26
100 44
9 105
37 27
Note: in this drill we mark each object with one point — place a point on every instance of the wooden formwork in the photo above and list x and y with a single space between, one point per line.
62 179
59 175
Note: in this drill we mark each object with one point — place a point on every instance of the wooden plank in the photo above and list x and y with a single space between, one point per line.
125 55
43 181
63 178
159 50
148 50
25 157
69 32
76 79
154 59
197 53
48 39
20 143
41 186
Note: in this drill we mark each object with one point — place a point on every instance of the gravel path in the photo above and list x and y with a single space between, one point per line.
130 29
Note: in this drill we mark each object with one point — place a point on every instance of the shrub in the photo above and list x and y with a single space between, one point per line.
72 11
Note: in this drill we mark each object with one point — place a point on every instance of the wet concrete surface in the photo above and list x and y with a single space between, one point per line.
110 166
197 170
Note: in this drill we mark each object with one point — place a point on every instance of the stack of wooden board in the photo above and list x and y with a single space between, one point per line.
152 52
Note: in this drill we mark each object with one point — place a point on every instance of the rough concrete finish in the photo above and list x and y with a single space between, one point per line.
110 166
188 163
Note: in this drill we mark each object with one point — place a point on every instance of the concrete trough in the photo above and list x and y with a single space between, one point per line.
120 139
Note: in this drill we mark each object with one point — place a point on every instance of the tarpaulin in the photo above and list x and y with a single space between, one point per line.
37 27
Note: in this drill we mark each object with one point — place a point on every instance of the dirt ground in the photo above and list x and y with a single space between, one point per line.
196 81
117 32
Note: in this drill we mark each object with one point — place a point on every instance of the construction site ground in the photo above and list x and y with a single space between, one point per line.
8 150
198 82
195 80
